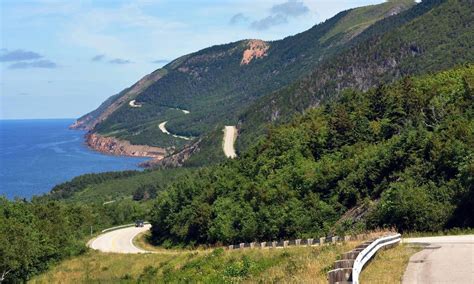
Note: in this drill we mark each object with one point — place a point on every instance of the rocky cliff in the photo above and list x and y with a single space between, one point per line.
114 146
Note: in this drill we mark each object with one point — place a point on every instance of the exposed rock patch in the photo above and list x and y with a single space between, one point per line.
255 49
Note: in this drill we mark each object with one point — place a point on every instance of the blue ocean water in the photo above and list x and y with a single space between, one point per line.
35 155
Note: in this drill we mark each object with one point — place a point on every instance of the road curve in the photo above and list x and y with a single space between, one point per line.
230 134
445 259
119 241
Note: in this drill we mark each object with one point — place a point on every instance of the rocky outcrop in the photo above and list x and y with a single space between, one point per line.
174 160
255 49
114 146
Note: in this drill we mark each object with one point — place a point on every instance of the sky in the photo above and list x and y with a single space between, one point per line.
61 59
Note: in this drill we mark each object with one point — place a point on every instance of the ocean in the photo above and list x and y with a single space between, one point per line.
35 155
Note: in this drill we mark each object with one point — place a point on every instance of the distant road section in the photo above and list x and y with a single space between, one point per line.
445 259
133 104
119 241
230 135
163 129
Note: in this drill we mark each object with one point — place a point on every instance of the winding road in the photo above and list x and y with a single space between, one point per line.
230 134
119 241
445 259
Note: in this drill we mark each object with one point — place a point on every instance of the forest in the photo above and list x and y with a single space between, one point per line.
330 121
403 151
406 150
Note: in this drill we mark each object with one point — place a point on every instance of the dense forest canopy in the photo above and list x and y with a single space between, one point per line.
406 149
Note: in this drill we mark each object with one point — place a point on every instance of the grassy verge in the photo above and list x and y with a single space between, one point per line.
296 265
141 241
449 232
388 265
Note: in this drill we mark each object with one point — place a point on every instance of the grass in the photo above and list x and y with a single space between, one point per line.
292 265
448 232
360 18
388 265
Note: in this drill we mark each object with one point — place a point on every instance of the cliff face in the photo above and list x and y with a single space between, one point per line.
174 160
114 146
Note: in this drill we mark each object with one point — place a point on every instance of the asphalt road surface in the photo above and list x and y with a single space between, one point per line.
119 241
445 259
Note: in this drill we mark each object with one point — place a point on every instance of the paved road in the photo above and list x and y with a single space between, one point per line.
119 241
230 134
445 259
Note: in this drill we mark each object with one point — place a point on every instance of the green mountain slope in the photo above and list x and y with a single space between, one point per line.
404 150
431 36
217 83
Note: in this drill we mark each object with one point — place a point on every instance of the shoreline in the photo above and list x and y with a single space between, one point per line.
116 147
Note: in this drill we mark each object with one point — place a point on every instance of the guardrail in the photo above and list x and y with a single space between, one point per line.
349 268
121 226
311 242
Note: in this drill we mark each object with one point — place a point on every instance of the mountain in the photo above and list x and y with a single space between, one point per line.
429 37
402 154
195 95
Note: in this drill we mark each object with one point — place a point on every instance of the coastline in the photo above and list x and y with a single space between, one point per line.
117 147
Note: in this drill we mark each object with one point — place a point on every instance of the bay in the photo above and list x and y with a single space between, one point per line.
35 155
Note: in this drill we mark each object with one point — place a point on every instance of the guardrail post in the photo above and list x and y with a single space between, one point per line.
310 242
242 245
334 239
340 275
347 238
298 242
285 243
274 244
252 245
231 247
321 241
263 244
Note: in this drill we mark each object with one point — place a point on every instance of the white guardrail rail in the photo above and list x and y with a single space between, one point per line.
121 227
349 268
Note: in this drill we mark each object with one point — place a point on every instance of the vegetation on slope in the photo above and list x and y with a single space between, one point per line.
114 186
300 265
432 36
408 146
35 235
215 86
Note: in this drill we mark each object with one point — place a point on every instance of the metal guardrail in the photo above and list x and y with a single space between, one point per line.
120 227
365 255
349 268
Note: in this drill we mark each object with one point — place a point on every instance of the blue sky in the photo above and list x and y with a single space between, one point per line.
61 59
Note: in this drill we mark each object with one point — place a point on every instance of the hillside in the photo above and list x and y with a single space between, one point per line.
216 84
431 36
403 151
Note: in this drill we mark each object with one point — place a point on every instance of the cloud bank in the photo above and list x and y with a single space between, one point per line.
98 57
24 59
238 18
47 64
18 55
119 61
280 14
